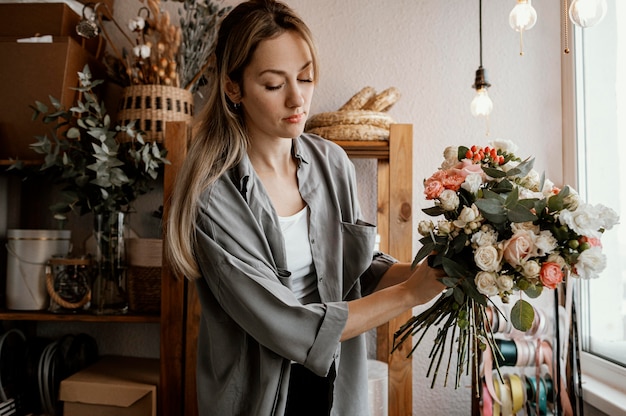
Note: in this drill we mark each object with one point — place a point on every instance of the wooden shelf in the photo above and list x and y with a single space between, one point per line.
378 149
8 162
7 315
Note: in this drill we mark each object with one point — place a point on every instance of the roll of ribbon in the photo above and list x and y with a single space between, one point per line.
508 351
518 394
505 397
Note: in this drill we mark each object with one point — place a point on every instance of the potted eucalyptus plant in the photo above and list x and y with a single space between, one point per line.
99 173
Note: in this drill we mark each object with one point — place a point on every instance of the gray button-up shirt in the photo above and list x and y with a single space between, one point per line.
252 325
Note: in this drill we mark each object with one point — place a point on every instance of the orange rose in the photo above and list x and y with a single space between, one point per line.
551 275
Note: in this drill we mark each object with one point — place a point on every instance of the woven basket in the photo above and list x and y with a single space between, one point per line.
151 106
144 275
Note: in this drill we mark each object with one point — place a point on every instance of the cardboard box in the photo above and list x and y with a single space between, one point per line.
114 386
31 72
25 20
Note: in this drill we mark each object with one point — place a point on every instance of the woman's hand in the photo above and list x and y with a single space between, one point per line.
424 283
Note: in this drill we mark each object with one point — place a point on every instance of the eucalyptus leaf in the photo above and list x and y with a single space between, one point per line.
522 315
519 213
533 291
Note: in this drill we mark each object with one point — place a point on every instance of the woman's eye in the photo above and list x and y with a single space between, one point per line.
306 80
273 88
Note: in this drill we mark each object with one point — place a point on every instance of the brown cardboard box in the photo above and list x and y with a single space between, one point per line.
24 20
31 72
114 386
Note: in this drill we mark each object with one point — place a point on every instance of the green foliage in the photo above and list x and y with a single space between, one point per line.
99 173
522 315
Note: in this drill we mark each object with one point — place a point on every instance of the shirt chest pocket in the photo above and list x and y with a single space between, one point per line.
358 248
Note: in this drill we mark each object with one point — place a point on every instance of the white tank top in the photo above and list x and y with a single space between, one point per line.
295 230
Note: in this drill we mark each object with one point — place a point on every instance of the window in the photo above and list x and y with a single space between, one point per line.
600 143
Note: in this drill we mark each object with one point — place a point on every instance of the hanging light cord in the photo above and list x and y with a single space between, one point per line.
565 28
480 29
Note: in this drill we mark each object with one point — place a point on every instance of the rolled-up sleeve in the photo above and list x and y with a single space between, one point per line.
381 262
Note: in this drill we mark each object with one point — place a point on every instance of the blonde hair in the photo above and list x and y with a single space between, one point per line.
219 132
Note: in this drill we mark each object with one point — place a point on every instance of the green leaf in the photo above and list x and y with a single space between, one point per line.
426 249
462 151
434 211
494 173
492 209
512 198
522 169
452 268
533 291
520 213
522 315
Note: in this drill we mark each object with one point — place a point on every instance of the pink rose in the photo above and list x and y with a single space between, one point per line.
466 167
519 247
433 189
551 275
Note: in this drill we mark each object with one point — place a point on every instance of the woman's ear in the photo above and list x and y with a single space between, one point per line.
233 91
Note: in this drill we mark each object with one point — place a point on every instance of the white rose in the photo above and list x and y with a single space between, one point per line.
503 144
467 215
525 226
572 200
590 263
545 243
548 188
449 200
525 193
472 183
531 269
484 237
487 258
505 283
486 283
531 180
425 227
451 156
558 259
445 227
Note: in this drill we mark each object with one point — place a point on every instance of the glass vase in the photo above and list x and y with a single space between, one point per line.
109 285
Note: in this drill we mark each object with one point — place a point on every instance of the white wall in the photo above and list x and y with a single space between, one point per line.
429 49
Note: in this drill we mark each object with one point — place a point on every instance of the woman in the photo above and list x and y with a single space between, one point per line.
266 220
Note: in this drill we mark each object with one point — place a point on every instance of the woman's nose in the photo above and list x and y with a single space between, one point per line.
295 97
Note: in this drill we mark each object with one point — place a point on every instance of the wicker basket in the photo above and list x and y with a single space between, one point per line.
151 106
144 275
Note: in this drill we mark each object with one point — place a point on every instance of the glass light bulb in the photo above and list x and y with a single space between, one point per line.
481 104
586 13
523 16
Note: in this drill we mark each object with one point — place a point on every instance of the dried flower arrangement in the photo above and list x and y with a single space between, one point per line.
160 52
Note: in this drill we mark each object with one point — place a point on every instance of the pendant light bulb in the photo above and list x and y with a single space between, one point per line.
587 13
481 104
522 17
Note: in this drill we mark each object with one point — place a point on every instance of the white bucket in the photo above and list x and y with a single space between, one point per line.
27 254
378 383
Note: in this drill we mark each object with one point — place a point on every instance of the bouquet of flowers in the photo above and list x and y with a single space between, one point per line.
505 230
